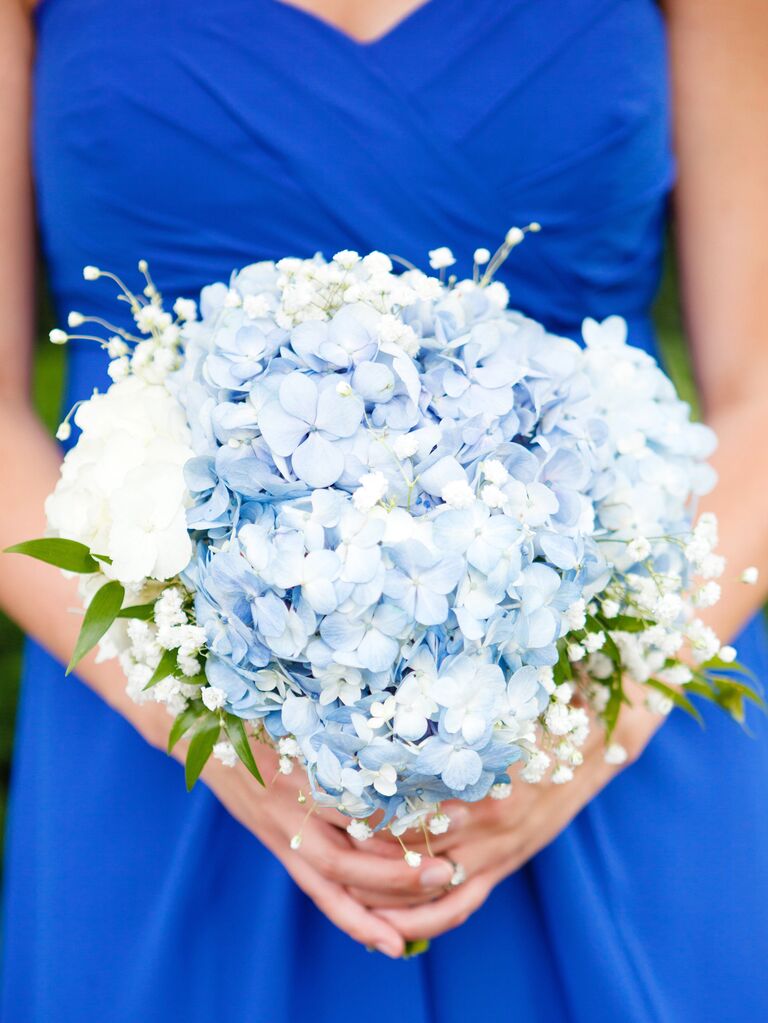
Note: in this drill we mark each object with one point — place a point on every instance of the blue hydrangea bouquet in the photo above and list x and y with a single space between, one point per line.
393 529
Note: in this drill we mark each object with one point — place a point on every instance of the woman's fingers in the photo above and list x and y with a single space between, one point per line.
434 918
381 900
368 871
345 912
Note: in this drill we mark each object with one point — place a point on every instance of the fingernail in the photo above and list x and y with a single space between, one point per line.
389 949
459 816
436 875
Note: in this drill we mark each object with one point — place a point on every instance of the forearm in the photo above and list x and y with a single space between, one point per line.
37 596
739 501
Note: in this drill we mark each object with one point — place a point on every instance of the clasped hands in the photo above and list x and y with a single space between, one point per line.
369 891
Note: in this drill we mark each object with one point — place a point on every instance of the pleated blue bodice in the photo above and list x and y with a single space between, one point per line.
203 136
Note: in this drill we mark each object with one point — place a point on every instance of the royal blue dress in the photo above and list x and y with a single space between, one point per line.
203 136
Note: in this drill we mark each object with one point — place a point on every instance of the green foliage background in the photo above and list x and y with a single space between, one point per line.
48 382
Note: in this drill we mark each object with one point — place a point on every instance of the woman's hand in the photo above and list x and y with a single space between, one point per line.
328 861
494 838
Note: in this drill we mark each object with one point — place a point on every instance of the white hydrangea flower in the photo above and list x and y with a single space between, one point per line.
121 490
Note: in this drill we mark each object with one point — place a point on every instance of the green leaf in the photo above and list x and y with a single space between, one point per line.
415 948
627 623
142 611
563 669
677 698
200 748
612 708
733 685
165 667
53 550
184 721
237 735
103 557
99 615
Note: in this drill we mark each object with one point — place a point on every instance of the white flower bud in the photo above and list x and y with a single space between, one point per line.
64 431
615 754
750 575
91 273
482 256
514 236
296 842
439 823
501 790
213 697
359 830
413 859
58 337
441 258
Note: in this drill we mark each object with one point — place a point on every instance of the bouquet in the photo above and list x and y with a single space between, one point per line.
389 527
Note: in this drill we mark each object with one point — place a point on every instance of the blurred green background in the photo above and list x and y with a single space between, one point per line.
48 381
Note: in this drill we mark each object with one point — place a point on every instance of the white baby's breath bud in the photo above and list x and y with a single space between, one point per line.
439 823
119 369
285 765
708 595
359 830
481 256
615 754
594 641
638 549
562 774
576 616
213 697
564 692
535 769
458 494
346 258
373 486
58 336
712 566
750 575
498 294
116 347
185 309
576 652
75 319
501 790
377 263
558 718
413 859
225 753
493 496
296 842
546 677
610 608
495 472
91 273
64 431
658 703
727 654
514 236
441 258
405 445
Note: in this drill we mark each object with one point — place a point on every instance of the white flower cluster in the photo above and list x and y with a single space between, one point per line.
122 491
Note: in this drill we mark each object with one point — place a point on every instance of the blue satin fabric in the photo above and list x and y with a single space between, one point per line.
203 136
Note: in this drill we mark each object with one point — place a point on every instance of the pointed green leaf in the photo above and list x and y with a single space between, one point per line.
53 550
99 615
165 667
200 748
678 698
237 735
627 623
184 721
144 612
